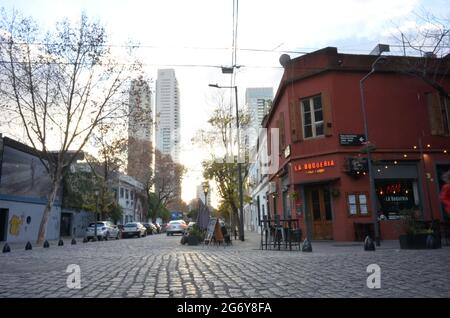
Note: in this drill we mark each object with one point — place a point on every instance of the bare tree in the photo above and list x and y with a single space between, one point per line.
61 86
430 43
166 181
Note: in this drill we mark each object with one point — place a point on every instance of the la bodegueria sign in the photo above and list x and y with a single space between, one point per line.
314 167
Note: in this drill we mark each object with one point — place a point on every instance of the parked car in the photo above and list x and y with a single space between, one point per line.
105 230
151 228
177 226
134 229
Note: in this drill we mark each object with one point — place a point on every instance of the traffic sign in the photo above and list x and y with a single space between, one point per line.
352 139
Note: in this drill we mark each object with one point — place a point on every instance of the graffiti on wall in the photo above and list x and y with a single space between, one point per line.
15 225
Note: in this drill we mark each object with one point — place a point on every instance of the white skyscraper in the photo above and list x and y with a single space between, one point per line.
168 114
258 101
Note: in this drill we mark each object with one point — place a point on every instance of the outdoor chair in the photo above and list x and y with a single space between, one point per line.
279 232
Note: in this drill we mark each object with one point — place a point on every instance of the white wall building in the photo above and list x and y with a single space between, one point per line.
258 189
168 114
24 187
128 190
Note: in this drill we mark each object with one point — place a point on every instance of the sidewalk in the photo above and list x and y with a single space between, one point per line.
15 246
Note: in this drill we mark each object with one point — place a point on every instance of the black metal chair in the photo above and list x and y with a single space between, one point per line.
278 236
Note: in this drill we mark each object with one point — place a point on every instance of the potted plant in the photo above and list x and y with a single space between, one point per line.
194 235
417 235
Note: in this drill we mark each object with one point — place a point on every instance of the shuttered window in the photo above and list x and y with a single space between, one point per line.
438 114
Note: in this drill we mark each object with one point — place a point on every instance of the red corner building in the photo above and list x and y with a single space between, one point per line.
322 178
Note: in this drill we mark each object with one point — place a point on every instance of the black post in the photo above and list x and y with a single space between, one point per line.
241 194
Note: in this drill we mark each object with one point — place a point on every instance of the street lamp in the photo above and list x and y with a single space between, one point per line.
205 186
370 148
96 192
241 194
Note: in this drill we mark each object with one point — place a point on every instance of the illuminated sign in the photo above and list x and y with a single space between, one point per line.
314 167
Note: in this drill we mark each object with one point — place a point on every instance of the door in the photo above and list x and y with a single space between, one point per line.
3 224
319 211
65 224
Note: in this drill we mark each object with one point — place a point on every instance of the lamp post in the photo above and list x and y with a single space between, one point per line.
96 192
205 186
370 147
241 194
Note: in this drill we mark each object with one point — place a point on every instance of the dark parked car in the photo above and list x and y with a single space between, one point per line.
151 228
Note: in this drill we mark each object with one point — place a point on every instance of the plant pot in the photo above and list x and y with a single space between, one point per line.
419 241
193 240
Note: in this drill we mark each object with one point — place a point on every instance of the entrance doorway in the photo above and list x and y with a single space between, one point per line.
66 219
318 201
3 224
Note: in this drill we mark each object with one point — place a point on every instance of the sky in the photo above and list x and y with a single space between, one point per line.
195 37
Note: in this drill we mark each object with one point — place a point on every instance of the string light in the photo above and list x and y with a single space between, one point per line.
405 156
428 146
395 162
415 147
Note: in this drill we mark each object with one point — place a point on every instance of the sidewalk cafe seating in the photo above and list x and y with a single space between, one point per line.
279 233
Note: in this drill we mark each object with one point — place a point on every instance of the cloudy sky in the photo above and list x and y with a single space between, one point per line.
194 36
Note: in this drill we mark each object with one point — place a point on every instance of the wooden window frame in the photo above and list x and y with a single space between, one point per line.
313 121
357 204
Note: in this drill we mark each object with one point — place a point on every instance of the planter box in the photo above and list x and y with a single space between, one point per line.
418 241
193 240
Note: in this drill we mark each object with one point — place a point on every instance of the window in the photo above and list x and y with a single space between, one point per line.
121 192
357 204
312 115
438 114
126 194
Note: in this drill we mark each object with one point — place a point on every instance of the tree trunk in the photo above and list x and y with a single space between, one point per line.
47 211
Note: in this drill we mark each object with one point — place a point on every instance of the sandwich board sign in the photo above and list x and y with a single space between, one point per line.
213 231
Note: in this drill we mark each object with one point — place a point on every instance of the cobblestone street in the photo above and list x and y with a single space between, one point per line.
158 266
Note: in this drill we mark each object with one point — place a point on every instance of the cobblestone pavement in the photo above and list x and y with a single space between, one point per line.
158 266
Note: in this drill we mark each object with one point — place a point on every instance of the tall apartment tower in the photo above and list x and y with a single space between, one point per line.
258 101
168 114
140 124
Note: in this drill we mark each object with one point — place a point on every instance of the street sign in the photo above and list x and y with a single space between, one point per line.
352 139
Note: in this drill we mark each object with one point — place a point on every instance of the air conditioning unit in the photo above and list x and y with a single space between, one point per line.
272 187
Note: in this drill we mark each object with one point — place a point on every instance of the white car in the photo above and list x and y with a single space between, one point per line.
134 229
105 230
178 226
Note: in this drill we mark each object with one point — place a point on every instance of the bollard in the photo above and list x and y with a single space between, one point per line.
85 240
74 241
369 245
46 244
61 242
6 248
28 246
307 247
